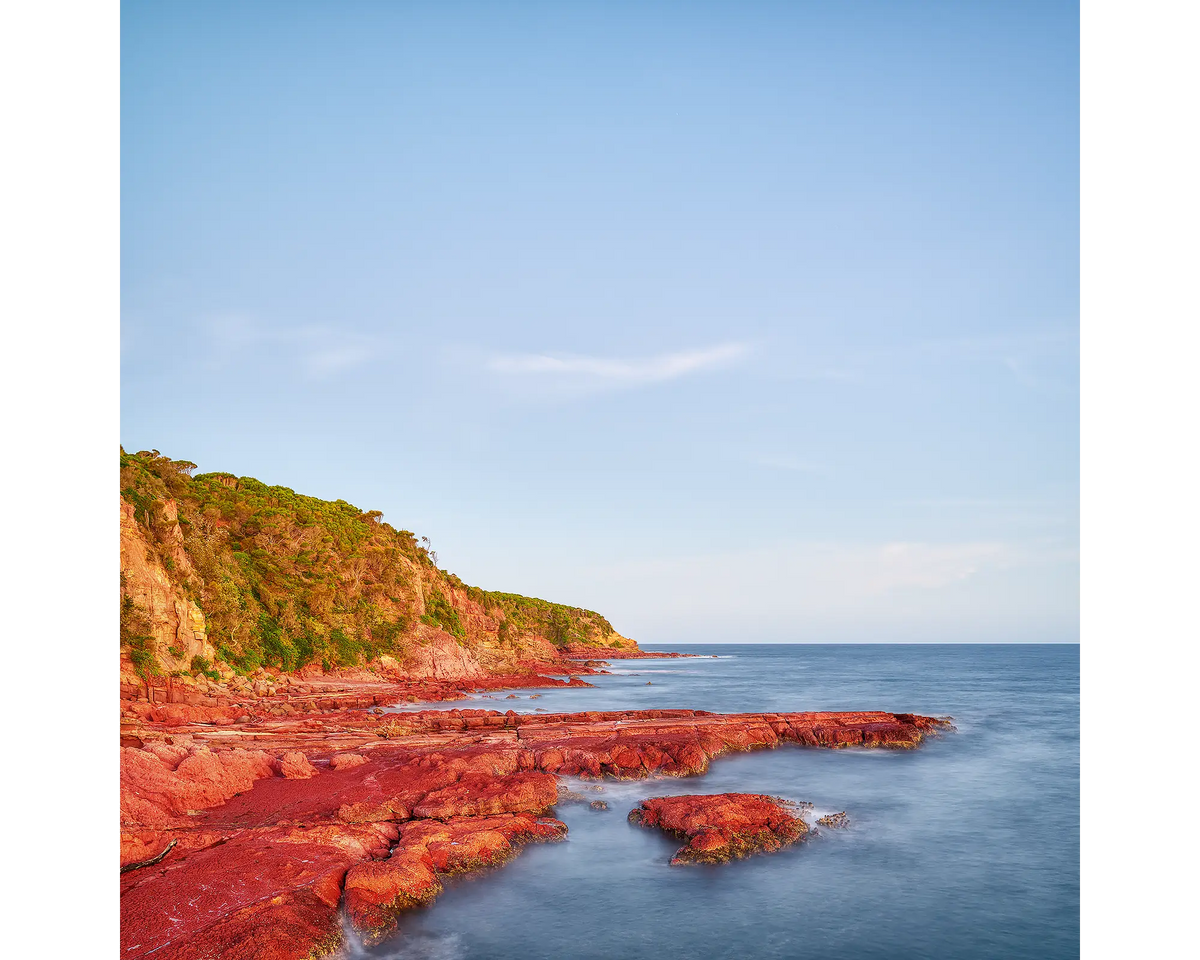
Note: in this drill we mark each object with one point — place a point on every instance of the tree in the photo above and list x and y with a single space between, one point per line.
429 551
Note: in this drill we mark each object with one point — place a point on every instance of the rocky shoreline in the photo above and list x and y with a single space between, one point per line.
249 828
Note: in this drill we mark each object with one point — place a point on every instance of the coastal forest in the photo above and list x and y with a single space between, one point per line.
223 569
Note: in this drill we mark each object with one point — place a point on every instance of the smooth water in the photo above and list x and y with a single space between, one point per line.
965 848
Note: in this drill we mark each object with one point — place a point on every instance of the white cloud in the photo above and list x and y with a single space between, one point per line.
666 366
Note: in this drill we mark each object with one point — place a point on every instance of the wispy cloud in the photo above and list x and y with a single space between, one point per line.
666 366
1037 359
315 351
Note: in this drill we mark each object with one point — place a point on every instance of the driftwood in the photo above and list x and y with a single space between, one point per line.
152 861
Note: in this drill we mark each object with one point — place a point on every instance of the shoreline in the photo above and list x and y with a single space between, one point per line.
251 829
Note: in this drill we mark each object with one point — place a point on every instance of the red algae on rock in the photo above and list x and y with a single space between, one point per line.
721 827
377 891
267 855
428 850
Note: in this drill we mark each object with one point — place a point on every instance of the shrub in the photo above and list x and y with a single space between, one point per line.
135 636
439 613
143 660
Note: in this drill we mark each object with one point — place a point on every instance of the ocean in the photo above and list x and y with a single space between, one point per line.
967 847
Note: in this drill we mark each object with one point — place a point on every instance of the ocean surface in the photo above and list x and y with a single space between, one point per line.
965 848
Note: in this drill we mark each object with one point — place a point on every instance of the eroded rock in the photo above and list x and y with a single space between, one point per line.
723 826
261 861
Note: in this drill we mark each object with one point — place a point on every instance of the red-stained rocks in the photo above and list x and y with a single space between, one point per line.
429 850
181 714
160 793
295 766
483 794
263 862
578 650
345 761
722 826
469 843
260 893
377 891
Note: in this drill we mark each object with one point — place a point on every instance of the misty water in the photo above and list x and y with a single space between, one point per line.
965 848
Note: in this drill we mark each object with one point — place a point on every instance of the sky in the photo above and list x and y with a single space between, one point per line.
736 322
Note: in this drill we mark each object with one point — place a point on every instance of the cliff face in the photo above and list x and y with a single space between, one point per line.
442 658
175 623
243 575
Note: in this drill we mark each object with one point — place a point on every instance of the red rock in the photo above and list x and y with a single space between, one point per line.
482 794
344 761
619 653
468 843
261 860
295 766
154 794
376 892
240 897
722 826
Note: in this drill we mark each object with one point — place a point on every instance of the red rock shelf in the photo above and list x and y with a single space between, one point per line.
724 826
280 822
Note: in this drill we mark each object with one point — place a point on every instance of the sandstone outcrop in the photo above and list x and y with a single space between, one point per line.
176 624
345 808
441 657
723 826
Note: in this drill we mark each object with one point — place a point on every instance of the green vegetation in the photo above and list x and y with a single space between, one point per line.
558 623
201 665
439 613
135 635
285 579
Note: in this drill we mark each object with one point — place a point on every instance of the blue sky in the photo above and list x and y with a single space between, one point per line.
736 322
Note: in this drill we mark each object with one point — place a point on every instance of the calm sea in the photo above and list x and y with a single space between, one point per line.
965 848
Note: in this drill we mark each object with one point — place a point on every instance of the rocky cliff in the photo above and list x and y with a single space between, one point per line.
174 622
221 573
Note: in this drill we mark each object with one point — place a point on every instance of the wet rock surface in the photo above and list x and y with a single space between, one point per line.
279 820
724 826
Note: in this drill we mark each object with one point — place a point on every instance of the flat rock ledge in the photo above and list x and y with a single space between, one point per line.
252 839
724 826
